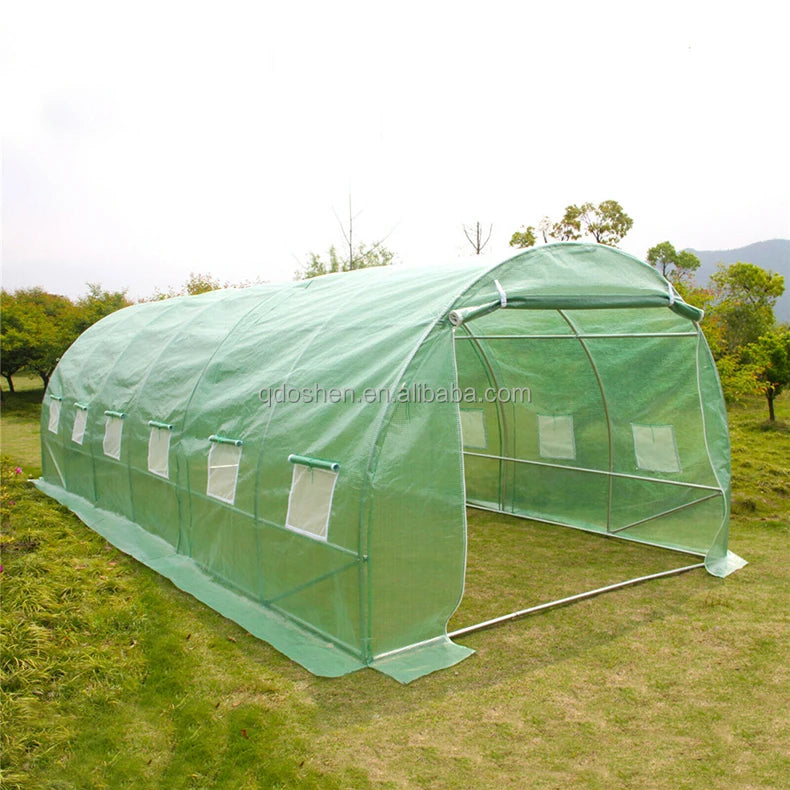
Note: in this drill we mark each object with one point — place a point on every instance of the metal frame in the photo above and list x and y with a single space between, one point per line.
575 335
581 337
500 411
570 599
582 528
667 512
680 483
605 404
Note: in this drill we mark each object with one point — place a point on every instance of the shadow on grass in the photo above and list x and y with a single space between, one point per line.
24 404
779 426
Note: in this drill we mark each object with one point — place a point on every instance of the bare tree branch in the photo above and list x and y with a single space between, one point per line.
477 242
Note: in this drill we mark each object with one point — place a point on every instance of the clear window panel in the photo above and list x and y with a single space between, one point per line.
310 500
54 415
555 437
159 451
113 430
655 448
223 471
80 423
473 429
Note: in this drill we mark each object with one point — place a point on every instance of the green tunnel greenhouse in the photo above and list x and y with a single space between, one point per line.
300 456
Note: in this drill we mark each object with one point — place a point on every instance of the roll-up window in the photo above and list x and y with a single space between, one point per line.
224 459
310 501
113 433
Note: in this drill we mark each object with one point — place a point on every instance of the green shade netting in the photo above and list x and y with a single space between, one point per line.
257 472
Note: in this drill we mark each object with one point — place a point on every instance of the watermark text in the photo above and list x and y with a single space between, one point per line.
414 393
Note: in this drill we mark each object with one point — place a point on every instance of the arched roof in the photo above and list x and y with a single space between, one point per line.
158 356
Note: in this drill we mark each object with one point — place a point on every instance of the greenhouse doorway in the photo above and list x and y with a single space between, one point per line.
538 443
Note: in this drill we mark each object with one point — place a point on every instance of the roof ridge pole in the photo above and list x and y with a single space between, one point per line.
594 367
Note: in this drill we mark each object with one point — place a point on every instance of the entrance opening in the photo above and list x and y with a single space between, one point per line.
588 419
515 564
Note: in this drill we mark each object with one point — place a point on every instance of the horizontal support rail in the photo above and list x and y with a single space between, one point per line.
604 472
156 424
331 639
602 531
570 599
311 582
260 520
111 413
565 336
586 301
666 512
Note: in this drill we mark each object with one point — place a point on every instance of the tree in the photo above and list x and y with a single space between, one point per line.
358 255
97 304
712 326
607 223
196 283
745 296
738 379
57 327
771 354
523 238
569 228
544 226
668 261
38 328
15 348
475 236
199 283
362 257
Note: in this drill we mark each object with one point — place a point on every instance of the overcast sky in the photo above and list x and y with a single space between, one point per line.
142 141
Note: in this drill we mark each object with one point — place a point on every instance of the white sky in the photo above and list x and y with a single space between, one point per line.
142 141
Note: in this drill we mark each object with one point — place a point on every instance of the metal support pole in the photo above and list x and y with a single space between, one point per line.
570 599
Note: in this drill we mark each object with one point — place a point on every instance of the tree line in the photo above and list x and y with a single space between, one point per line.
751 349
37 327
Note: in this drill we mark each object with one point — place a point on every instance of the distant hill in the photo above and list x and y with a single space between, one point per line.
773 255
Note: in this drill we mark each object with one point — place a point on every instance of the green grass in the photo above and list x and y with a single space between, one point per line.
19 433
114 678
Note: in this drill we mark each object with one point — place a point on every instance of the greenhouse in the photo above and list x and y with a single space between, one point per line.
300 456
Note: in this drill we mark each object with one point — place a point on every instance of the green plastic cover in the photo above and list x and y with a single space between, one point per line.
285 452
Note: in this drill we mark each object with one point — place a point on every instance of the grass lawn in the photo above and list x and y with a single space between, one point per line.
112 677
